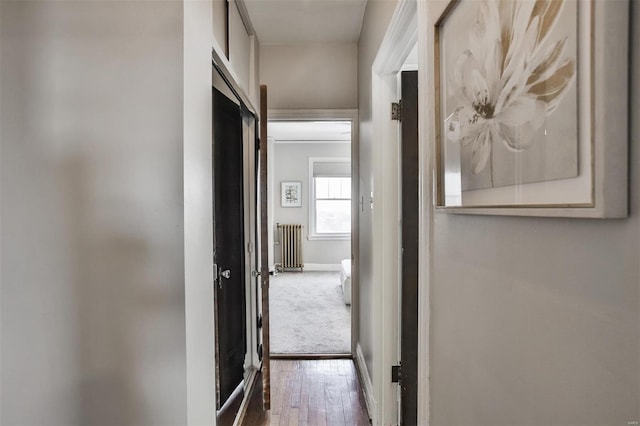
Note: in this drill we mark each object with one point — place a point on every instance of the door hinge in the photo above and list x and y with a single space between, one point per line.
260 321
396 373
249 247
216 273
260 352
396 110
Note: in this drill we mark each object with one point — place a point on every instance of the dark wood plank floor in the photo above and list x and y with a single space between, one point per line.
310 392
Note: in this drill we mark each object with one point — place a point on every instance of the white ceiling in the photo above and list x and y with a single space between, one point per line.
309 131
306 21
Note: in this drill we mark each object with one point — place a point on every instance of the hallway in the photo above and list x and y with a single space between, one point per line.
528 307
310 392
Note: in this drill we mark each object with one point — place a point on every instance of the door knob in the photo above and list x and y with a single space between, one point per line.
225 274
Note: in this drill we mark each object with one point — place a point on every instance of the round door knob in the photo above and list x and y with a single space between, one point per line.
225 274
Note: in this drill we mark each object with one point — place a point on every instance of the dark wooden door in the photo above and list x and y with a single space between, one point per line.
410 235
228 245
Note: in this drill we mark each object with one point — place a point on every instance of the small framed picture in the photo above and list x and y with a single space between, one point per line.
291 194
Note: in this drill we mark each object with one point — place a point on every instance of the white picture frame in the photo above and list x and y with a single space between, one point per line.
602 79
290 194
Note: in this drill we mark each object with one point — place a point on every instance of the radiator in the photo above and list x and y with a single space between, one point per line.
290 247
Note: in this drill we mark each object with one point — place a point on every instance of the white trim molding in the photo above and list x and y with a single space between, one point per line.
426 210
365 378
330 237
320 267
224 66
249 385
400 39
198 226
314 114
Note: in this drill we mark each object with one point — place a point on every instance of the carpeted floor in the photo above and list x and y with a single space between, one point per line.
308 314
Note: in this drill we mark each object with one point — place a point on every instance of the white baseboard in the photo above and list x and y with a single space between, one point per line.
318 267
367 384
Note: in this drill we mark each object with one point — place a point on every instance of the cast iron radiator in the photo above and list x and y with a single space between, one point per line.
290 247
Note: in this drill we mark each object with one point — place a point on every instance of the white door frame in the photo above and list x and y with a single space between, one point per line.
426 211
350 115
400 38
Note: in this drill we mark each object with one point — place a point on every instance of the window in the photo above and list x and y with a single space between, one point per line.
330 212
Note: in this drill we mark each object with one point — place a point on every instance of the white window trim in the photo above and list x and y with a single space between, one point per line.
312 234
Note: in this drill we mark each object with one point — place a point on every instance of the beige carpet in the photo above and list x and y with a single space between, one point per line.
308 314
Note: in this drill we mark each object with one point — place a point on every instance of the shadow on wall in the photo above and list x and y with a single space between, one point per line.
107 269
121 305
93 314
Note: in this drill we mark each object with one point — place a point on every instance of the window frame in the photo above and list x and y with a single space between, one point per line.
313 234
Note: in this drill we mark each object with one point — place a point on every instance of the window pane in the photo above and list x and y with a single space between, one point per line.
333 216
322 187
346 187
334 188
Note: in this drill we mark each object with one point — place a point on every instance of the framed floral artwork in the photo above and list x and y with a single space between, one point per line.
522 89
291 194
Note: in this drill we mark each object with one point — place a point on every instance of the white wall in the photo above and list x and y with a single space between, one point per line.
243 56
239 47
93 320
319 76
376 20
218 13
198 213
537 321
291 163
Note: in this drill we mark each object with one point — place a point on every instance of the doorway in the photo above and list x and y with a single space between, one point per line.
235 285
310 224
228 242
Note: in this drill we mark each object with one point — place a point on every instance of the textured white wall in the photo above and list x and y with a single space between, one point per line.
291 163
93 321
376 20
310 76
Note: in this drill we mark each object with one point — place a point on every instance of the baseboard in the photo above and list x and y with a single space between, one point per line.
248 391
310 356
365 380
319 267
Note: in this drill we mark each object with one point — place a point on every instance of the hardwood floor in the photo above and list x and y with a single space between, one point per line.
310 392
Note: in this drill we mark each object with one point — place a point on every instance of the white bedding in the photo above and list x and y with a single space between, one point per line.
345 279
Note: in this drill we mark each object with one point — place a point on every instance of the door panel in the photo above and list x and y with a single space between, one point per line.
410 235
264 251
228 240
251 233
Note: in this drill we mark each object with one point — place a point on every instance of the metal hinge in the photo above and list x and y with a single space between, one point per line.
249 247
260 321
260 352
396 110
396 373
216 273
